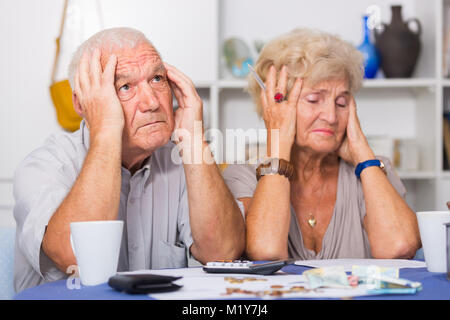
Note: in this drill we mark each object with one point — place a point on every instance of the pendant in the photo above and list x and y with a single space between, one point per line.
312 221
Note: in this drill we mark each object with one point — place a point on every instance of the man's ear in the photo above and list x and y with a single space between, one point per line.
77 105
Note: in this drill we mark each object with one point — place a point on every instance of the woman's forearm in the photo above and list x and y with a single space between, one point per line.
390 224
268 219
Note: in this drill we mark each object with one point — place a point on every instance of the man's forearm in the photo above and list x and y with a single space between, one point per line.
95 195
217 225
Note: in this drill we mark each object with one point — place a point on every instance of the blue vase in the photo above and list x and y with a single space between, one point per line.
370 53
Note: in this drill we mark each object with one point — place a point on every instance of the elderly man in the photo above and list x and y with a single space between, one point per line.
119 165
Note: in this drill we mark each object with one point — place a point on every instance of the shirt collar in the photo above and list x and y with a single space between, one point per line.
85 134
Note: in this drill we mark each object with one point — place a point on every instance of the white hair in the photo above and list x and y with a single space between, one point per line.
107 40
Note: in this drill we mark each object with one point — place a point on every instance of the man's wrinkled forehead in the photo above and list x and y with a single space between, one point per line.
130 58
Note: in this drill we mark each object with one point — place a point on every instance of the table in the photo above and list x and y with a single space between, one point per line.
435 286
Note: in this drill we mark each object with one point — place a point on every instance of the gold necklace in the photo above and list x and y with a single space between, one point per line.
312 219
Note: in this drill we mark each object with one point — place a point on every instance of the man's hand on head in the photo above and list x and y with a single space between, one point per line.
190 104
96 95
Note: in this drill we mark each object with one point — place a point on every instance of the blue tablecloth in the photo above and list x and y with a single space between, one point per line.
435 286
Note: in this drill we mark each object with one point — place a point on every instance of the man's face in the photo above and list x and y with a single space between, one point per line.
143 89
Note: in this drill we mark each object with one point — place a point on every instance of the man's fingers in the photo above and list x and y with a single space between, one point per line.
180 74
83 70
110 69
182 87
181 81
178 94
95 67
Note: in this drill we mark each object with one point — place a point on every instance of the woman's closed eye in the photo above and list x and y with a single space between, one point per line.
313 98
341 102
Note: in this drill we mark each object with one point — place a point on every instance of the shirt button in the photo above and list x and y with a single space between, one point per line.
132 200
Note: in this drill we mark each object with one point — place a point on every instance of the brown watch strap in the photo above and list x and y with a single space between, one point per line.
285 168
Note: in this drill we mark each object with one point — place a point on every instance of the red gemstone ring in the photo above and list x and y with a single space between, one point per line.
279 97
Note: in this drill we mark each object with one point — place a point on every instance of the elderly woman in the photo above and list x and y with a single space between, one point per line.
321 194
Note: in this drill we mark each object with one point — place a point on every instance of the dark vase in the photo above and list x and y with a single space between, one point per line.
369 51
398 45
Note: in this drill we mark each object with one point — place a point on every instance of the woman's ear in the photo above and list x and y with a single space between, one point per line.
77 105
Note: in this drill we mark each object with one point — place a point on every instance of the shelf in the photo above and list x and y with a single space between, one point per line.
400 83
203 84
418 175
375 83
233 84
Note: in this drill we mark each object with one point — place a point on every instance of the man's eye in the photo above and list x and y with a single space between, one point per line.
124 88
158 78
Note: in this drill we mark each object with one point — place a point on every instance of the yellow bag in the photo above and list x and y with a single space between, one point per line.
61 92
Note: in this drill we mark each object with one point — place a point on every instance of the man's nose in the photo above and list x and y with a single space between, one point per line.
148 100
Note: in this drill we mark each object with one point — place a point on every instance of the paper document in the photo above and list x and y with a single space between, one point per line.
348 263
198 284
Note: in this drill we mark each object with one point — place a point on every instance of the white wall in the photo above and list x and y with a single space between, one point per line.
187 35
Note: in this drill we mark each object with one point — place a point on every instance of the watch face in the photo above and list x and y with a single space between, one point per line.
275 165
269 166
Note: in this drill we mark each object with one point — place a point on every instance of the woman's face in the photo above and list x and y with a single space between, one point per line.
322 115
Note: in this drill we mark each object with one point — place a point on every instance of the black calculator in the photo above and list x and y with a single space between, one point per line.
242 266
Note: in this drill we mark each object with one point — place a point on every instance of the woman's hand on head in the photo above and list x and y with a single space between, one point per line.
280 117
354 148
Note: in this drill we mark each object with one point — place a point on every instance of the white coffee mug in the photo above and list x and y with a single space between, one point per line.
433 236
96 245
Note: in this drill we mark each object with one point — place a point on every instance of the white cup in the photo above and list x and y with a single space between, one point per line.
96 245
433 236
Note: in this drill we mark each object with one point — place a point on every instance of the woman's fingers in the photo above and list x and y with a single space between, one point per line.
282 81
270 83
353 122
295 92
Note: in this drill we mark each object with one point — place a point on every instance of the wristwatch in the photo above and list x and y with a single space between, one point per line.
369 163
273 166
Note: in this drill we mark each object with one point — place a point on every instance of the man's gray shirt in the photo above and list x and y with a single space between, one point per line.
153 206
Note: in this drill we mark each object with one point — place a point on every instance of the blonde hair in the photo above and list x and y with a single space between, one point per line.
108 40
313 55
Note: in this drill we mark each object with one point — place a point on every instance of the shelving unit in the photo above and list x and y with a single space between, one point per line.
190 34
400 108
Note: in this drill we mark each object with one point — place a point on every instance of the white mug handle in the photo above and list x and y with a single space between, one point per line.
71 243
